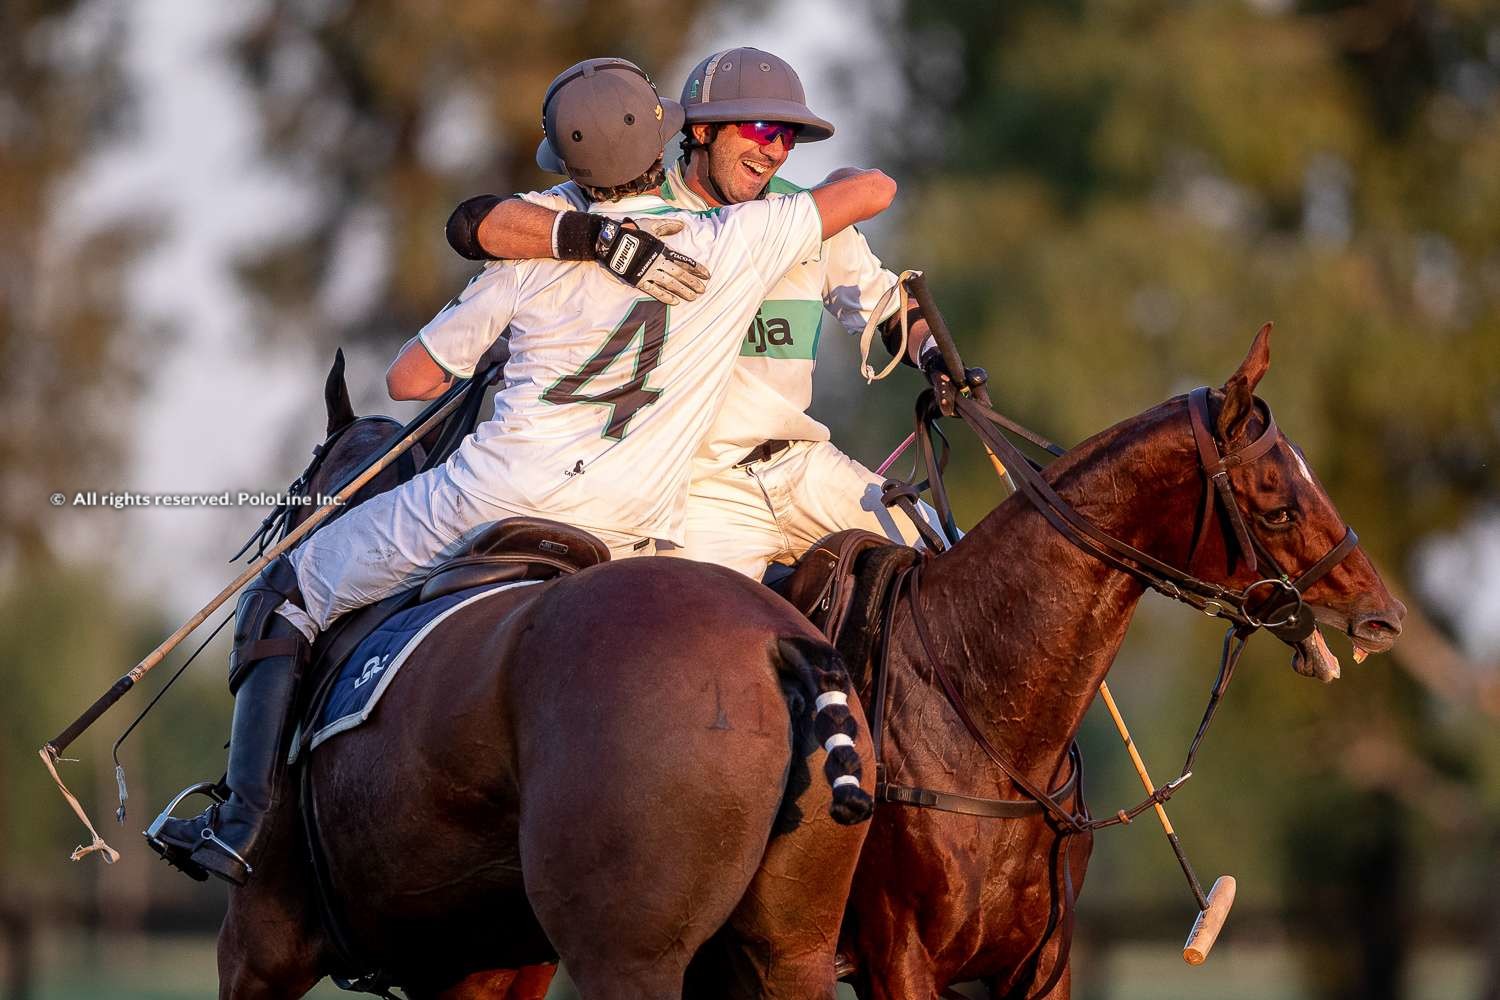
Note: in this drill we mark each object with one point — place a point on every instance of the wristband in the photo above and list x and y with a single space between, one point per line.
575 235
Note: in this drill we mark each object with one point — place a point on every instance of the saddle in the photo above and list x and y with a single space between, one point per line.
842 584
516 548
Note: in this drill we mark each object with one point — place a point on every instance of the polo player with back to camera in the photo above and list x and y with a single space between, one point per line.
766 483
578 434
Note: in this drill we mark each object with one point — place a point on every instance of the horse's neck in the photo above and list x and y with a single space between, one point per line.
1026 622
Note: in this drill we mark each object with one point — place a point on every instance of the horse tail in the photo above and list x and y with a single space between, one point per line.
820 673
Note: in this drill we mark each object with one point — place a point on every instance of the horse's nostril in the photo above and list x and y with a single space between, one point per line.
1378 627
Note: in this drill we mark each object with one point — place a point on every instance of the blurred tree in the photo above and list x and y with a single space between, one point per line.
1139 184
63 368
65 374
396 111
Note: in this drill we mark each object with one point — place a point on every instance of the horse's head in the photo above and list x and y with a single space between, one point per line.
1288 526
350 445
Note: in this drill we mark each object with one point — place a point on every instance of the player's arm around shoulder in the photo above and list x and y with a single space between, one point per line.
851 195
556 224
775 233
520 227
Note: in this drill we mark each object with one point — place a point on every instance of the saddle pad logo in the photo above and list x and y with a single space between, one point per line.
372 668
364 677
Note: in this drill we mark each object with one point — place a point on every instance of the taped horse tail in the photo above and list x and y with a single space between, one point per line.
824 682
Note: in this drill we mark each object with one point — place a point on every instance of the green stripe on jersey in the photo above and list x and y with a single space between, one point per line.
784 328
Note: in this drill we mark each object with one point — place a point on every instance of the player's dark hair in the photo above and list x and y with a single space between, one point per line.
648 181
690 142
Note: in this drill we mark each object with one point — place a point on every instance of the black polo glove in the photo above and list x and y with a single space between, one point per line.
638 257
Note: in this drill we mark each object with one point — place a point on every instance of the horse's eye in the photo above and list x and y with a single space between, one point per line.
1279 517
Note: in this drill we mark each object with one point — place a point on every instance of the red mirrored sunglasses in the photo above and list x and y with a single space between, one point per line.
765 133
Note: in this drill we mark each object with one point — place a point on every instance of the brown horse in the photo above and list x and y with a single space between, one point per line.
1027 625
612 766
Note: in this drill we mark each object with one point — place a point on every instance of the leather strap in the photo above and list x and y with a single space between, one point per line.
971 805
1044 800
762 452
263 649
1216 474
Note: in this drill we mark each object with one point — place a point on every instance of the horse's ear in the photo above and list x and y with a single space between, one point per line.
336 395
1239 391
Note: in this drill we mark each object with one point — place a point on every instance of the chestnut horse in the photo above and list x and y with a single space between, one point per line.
1026 624
612 766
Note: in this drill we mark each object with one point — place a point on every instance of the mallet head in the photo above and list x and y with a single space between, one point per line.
1210 921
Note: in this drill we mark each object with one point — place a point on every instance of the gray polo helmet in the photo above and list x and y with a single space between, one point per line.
749 85
603 123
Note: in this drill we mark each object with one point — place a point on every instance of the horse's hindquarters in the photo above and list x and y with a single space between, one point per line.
653 751
607 764
417 810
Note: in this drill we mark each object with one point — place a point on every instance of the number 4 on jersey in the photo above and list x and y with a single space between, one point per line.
648 318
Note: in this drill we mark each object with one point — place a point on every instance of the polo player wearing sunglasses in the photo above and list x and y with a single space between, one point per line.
614 459
766 481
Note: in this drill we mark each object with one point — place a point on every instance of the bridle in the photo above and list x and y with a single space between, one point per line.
450 434
283 516
1274 602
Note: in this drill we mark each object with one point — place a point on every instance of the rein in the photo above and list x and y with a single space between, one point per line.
450 435
279 521
1273 602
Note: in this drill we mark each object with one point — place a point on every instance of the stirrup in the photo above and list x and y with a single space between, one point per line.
210 837
173 855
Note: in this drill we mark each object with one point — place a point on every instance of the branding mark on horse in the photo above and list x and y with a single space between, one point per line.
721 718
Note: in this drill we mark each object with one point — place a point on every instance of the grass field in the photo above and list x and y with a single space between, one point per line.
167 968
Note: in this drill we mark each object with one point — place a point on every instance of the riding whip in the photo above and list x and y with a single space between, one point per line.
51 752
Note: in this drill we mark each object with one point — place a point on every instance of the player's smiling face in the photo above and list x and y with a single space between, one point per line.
742 167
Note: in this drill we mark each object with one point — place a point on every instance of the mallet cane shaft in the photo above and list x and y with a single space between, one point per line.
52 750
1214 906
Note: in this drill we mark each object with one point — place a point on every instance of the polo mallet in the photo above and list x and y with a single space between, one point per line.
1213 907
51 752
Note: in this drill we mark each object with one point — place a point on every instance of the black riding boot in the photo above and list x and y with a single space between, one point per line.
264 670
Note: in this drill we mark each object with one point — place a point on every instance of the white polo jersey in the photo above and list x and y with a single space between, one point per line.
607 392
772 382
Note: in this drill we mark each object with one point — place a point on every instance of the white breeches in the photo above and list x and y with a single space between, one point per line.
773 511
